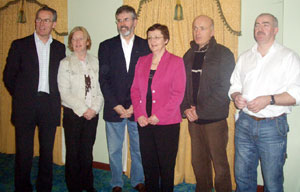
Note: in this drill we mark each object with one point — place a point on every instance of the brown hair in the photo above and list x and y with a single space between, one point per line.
85 34
162 28
127 9
46 8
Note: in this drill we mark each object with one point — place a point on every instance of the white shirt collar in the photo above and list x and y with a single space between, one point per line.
38 40
127 49
271 49
123 40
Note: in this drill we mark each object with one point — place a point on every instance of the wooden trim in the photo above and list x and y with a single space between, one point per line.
102 166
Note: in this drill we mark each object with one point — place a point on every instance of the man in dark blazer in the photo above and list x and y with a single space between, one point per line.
117 58
30 76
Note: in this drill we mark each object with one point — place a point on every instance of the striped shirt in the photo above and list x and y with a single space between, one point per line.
43 51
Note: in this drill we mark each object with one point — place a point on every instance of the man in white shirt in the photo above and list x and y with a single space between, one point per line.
117 59
30 76
265 85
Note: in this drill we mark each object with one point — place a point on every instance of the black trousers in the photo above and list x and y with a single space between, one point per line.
159 145
80 135
41 116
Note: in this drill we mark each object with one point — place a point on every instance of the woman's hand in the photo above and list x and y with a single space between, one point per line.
143 121
89 114
153 120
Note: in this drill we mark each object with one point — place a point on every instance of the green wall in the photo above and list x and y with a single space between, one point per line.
291 38
98 17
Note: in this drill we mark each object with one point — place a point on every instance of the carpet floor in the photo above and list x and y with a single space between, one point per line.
101 178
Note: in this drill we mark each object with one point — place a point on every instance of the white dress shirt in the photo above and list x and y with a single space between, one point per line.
275 73
43 51
127 48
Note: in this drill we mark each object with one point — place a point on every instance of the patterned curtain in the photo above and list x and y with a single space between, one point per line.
226 15
10 30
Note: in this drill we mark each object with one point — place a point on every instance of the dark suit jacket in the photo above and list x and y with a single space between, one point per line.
115 81
21 77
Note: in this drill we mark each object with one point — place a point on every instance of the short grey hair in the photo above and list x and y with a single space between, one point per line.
275 20
46 8
127 9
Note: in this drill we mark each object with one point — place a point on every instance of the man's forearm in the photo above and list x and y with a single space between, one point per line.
284 99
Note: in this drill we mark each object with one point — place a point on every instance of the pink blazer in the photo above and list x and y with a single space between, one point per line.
168 86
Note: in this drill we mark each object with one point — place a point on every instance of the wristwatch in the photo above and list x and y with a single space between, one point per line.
272 102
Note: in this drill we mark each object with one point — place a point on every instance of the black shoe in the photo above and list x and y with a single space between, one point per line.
140 187
92 190
117 189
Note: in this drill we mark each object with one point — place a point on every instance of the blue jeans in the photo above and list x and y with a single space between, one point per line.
115 137
263 140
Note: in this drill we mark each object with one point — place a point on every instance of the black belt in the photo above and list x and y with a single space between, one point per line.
40 94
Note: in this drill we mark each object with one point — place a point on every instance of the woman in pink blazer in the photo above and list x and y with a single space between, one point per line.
156 93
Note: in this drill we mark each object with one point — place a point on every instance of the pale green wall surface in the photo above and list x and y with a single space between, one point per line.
250 9
291 39
98 17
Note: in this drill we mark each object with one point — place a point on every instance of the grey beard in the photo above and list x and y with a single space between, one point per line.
126 33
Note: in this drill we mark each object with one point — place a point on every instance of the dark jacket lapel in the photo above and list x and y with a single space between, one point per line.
32 52
120 54
134 53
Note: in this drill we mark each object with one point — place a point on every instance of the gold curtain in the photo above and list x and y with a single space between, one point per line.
9 31
162 11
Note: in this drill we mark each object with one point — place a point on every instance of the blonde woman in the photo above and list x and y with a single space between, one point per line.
82 100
